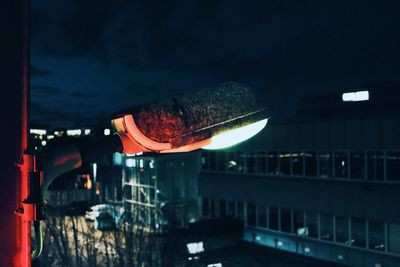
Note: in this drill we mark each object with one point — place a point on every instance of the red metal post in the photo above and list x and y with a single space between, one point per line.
14 97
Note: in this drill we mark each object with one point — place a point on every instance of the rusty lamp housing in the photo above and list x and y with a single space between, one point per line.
189 122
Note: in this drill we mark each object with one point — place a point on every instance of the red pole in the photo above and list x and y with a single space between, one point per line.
14 86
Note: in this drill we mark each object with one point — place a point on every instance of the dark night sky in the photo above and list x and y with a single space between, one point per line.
96 57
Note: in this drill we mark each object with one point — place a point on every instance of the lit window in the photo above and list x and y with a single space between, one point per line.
130 163
75 132
355 96
38 131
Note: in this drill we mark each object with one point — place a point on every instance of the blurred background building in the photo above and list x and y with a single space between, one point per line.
325 185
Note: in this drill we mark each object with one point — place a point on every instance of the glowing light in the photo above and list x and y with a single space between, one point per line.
75 132
279 243
44 143
94 171
130 163
307 250
355 96
215 265
195 248
87 131
151 164
107 131
37 131
233 137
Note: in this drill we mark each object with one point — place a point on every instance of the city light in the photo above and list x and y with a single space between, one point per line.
236 136
87 131
38 131
75 132
195 248
107 131
355 96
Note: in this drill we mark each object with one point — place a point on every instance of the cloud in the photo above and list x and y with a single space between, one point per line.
80 94
38 72
45 90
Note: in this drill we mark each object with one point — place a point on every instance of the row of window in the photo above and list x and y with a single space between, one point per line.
357 165
357 232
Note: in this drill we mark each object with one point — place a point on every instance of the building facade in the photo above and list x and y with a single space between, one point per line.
325 188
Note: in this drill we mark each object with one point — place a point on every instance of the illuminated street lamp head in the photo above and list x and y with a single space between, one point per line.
211 118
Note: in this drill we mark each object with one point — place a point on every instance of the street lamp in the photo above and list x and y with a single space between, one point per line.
211 118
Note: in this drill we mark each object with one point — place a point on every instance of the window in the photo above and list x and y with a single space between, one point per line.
212 155
341 164
251 214
285 158
393 166
250 162
212 208
297 163
240 210
310 160
326 223
358 230
261 158
231 209
357 165
205 207
394 237
221 161
286 220
273 218
273 167
222 208
241 161
325 164
375 166
376 233
298 220
312 224
231 161
342 230
262 216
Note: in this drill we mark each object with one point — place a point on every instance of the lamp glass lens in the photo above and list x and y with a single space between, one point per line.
235 136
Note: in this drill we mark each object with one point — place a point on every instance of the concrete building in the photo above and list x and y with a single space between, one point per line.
321 186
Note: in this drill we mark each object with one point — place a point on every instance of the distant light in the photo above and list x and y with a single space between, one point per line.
44 143
307 250
157 191
87 131
151 164
235 136
279 243
38 131
130 163
49 137
340 257
117 158
141 163
302 231
195 248
94 171
215 265
107 131
75 132
355 96
258 238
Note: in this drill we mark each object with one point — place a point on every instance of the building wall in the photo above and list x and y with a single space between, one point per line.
308 177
